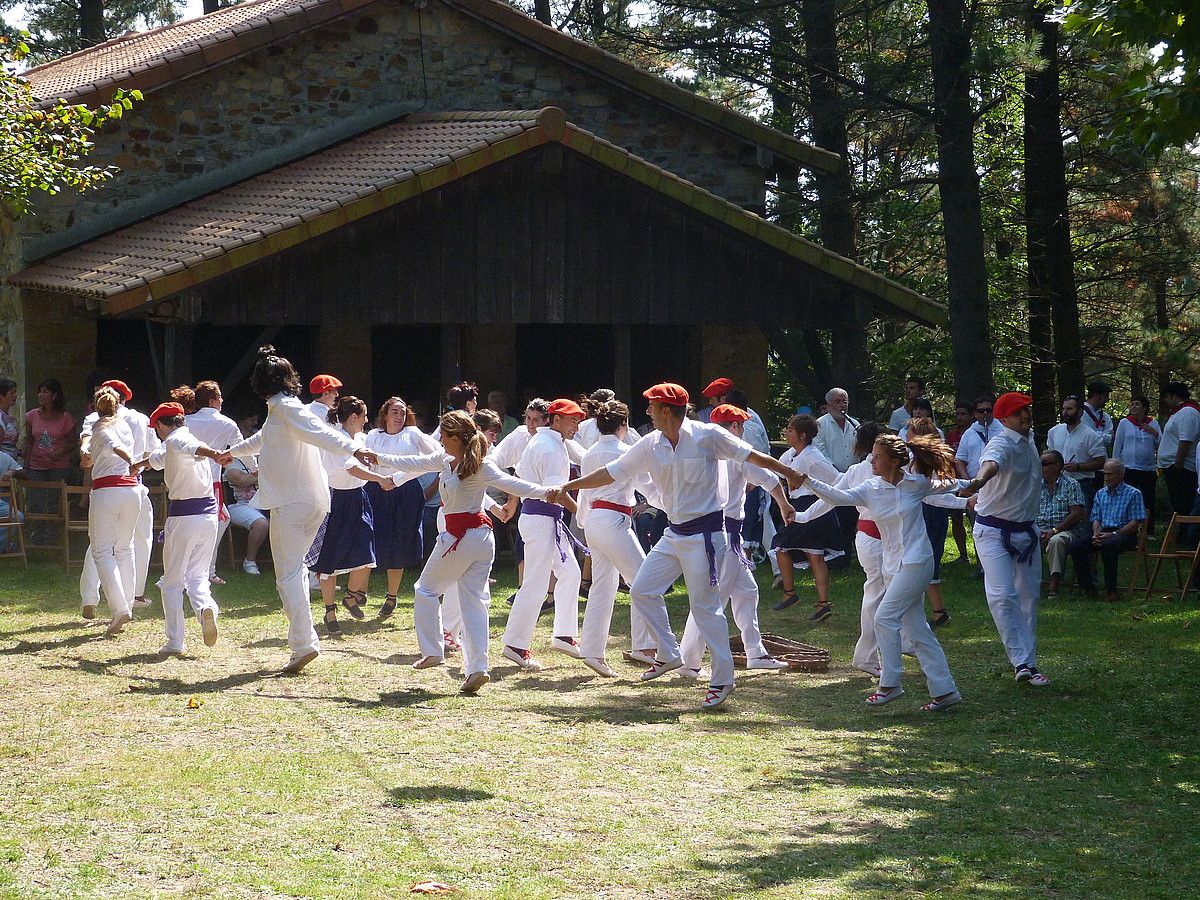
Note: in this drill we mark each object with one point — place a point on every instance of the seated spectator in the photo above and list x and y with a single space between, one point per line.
242 475
1061 512
1117 512
8 538
10 430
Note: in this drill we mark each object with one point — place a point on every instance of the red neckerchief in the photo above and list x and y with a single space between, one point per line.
1185 403
1140 426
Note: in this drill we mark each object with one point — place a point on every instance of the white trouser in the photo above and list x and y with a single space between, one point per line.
293 528
870 557
902 609
467 567
222 527
541 559
112 521
740 588
1056 552
616 554
1012 590
452 619
143 541
187 547
672 556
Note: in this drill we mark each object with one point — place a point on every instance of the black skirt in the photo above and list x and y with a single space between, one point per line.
822 533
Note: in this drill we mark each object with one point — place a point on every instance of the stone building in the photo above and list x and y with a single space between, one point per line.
407 195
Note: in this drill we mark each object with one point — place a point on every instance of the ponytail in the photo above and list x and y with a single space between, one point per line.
459 424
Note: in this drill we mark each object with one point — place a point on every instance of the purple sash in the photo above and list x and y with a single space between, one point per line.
1008 529
197 506
707 525
532 507
733 528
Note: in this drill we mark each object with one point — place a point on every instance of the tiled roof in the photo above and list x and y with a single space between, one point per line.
148 59
208 237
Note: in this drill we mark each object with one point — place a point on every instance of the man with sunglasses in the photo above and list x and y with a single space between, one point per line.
1061 511
976 437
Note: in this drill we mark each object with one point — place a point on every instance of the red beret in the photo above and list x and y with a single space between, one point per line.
1007 404
563 407
727 412
322 384
671 394
165 411
718 388
120 387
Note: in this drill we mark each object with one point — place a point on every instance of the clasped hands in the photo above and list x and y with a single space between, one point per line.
556 495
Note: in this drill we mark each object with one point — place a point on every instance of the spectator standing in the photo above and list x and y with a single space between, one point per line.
921 409
1175 456
1117 512
976 437
497 402
1096 418
963 419
1136 445
837 431
914 387
49 442
1061 512
1080 445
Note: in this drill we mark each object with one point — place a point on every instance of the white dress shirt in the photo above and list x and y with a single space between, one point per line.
289 460
735 477
1100 422
458 495
974 439
589 433
1137 447
1015 491
545 460
607 449
408 441
187 475
105 462
685 476
1079 446
214 430
1184 425
836 441
338 464
811 462
145 438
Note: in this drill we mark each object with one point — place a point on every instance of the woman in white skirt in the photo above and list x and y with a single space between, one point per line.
894 497
114 507
464 552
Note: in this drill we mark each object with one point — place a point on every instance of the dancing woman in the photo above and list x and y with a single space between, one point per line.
893 497
464 552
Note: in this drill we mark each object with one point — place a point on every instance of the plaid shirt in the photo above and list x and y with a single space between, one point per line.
1113 509
1053 507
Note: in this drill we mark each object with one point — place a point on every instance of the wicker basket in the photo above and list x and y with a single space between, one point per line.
799 656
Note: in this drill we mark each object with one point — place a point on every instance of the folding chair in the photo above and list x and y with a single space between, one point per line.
75 517
50 493
11 526
1171 550
1140 563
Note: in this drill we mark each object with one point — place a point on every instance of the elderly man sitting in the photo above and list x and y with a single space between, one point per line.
1117 513
1061 511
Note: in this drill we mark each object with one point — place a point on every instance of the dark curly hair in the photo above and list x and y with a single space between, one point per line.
273 374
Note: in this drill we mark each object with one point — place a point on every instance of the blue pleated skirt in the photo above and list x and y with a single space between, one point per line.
349 539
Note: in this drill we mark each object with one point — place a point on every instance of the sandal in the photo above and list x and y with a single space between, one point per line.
940 618
789 599
359 598
331 622
944 702
884 695
389 607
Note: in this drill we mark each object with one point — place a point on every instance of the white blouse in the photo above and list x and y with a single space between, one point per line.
1137 447
105 462
408 441
459 496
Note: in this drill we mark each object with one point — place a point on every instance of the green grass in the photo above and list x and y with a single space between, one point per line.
363 776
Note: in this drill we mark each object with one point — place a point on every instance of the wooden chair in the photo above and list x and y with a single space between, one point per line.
75 517
12 528
1141 565
54 497
1171 550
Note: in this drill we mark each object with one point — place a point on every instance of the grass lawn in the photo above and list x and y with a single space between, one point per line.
125 776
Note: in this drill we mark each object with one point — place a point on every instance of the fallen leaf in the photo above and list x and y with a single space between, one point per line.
430 887
193 703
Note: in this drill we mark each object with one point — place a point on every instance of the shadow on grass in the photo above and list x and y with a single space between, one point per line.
23 647
435 793
391 700
73 625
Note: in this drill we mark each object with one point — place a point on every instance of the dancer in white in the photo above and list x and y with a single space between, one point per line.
894 498
190 531
113 510
217 431
144 442
606 514
293 486
464 552
549 546
737 582
1007 544
682 458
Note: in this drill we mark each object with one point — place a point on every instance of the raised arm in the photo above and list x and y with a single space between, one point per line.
511 484
855 496
411 466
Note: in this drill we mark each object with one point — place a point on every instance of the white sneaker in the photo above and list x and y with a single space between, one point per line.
569 646
639 656
599 666
765 662
523 658
299 661
141 602
250 567
314 583
716 696
694 674
660 668
208 626
168 650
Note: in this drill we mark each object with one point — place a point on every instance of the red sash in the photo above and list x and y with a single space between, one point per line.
219 493
458 524
870 529
616 507
115 481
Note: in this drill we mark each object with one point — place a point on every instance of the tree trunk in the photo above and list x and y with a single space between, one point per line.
1162 322
795 349
851 367
541 11
958 186
91 23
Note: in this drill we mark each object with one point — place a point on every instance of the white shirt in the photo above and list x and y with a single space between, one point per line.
214 430
408 441
289 459
338 464
320 410
686 476
1183 425
974 439
900 418
1014 493
545 460
754 434
1137 447
896 510
836 442
145 438
186 474
105 461
1079 446
507 452
589 433
852 477
735 476
1102 423
607 449
811 462
458 496
903 435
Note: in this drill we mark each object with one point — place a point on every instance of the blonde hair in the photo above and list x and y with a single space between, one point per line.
105 401
459 424
929 456
921 428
